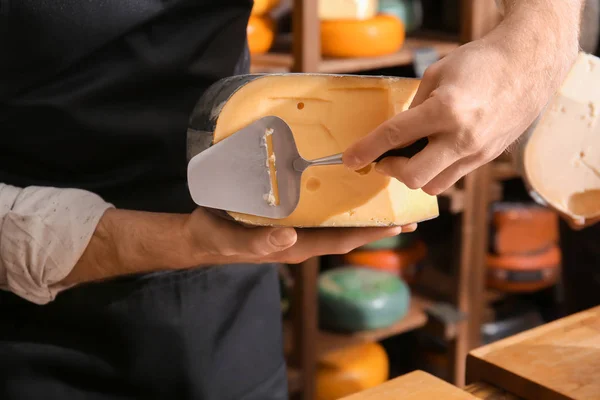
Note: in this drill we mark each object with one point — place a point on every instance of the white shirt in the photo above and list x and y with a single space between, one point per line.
43 233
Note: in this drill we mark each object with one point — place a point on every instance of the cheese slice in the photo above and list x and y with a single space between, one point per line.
347 9
326 113
561 160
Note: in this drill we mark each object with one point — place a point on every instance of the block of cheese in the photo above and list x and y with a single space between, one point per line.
561 154
261 33
262 7
347 9
351 370
377 36
326 113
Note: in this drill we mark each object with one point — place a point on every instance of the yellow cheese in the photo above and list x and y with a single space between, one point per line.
378 36
327 113
351 370
562 156
347 9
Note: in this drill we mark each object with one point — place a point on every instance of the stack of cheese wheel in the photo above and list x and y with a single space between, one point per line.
354 28
402 256
356 299
352 369
261 27
524 255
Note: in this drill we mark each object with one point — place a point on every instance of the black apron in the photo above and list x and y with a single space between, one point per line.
96 95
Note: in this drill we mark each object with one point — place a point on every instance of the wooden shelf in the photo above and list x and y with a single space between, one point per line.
294 378
328 341
504 170
282 62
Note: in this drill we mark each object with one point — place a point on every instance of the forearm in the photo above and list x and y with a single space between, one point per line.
541 39
129 242
538 25
52 239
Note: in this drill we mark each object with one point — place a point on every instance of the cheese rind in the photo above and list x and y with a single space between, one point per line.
326 113
561 157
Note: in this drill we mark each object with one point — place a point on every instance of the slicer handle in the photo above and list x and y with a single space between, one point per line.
409 151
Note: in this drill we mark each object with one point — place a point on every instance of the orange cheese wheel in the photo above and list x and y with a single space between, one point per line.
402 262
262 7
261 33
523 229
378 36
524 273
350 370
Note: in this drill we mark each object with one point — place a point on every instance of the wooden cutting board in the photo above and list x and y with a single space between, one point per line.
417 385
559 360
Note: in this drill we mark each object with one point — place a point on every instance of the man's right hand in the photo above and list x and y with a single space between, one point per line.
221 241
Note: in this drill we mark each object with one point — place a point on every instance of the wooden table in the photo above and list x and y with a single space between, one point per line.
558 360
417 385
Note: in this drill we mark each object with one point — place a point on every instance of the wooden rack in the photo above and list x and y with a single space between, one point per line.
304 342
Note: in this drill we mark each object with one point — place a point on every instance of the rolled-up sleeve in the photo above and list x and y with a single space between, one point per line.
43 233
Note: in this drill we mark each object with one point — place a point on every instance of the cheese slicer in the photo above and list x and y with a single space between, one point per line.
258 169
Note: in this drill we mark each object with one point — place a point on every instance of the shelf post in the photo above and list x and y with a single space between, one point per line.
305 325
306 36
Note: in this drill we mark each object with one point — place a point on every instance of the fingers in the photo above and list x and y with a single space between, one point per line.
453 173
399 131
427 85
419 170
319 242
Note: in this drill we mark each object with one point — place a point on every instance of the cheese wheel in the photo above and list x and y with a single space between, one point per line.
559 156
378 36
524 273
347 9
350 370
262 7
404 263
261 33
326 113
522 229
355 299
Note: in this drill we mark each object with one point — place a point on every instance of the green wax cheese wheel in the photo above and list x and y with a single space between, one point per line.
395 242
409 11
354 299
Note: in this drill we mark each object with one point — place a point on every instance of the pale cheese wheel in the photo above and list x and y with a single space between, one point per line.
347 9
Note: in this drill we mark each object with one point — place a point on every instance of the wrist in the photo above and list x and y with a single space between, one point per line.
156 241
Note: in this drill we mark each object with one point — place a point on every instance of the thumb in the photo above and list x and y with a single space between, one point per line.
255 241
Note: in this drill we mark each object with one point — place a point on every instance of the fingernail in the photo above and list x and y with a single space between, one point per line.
283 237
352 162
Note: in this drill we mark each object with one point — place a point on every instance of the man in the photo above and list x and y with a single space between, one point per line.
94 101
